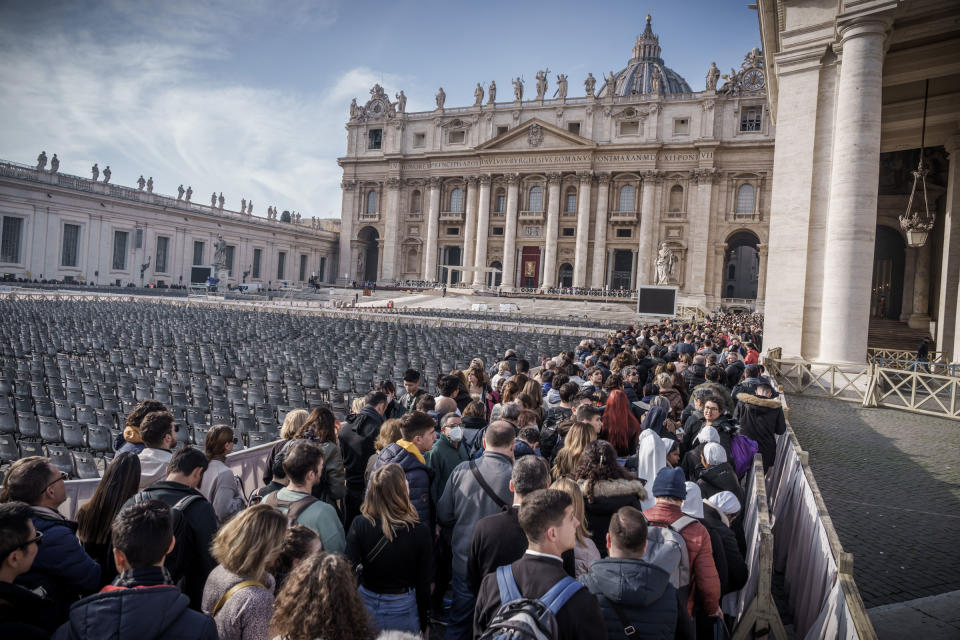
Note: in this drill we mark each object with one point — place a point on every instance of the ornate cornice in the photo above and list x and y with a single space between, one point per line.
485 179
512 178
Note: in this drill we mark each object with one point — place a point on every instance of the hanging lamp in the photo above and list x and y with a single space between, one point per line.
918 221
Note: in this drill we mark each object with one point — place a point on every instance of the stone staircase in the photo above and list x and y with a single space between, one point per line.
891 334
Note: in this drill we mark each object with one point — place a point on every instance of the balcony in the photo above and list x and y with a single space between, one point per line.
623 217
415 215
674 215
753 216
369 217
531 216
451 216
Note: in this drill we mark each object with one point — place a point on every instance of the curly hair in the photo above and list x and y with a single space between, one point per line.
320 600
598 462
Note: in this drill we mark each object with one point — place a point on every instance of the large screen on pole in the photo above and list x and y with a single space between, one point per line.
657 301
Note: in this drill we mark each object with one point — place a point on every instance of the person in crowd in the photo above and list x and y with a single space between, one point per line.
594 381
620 427
279 479
695 374
693 507
736 572
426 404
550 440
670 489
292 427
527 442
356 446
717 474
585 552
190 561
303 465
24 613
142 602
734 369
671 449
761 419
726 505
474 421
129 440
748 384
691 462
394 408
238 594
389 433
474 490
713 416
447 452
298 543
579 436
478 384
159 436
120 481
591 415
665 383
418 432
547 519
606 487
320 429
220 486
631 591
335 612
393 551
502 372
61 566
411 390
651 457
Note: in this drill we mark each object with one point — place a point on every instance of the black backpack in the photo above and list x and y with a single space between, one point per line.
520 618
174 563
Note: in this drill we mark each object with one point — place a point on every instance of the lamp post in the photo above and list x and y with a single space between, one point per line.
917 221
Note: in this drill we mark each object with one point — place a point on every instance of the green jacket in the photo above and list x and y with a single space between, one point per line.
443 458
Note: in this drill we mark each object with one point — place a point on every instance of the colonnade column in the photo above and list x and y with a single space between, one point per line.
391 228
550 241
852 217
583 230
947 337
347 212
598 277
469 227
761 275
647 247
433 222
696 273
919 302
719 262
510 233
483 223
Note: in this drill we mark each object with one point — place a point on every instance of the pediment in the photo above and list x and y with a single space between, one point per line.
535 134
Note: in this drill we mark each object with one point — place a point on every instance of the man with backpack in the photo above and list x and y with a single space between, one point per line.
303 465
194 521
356 447
550 439
515 595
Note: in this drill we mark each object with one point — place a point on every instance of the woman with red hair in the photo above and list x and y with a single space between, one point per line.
620 427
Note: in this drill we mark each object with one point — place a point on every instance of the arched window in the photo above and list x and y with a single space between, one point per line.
571 204
535 202
732 271
371 201
500 201
745 198
676 198
415 201
627 193
456 200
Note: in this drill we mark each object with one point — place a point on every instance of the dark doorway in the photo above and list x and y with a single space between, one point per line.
494 278
367 267
889 256
741 268
451 256
622 269
566 275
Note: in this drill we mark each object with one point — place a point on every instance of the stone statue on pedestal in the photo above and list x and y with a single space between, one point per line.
220 253
561 91
250 208
492 92
354 110
141 183
150 184
542 83
401 102
590 85
95 171
180 192
41 161
518 89
666 262
189 193
106 174
243 205
441 98
655 78
213 200
220 200
713 74
54 164
478 95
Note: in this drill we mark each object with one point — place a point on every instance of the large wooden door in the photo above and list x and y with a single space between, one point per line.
530 267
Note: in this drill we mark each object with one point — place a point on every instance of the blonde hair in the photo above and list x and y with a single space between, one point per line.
580 435
357 405
250 541
571 488
389 433
389 500
293 424
665 380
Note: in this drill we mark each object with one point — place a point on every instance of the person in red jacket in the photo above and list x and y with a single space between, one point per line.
670 489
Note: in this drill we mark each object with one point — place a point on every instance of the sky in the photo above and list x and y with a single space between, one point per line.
250 97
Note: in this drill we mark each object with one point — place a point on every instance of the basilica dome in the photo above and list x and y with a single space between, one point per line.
635 79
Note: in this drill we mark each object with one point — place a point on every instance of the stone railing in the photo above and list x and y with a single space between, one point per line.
744 303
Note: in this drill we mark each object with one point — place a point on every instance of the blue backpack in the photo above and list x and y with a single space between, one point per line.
520 618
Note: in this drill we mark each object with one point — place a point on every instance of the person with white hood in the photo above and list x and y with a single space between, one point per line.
692 464
718 511
651 457
717 474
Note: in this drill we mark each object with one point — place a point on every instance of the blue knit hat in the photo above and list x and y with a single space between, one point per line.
670 482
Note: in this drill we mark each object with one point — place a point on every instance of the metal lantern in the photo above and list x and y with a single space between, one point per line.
918 221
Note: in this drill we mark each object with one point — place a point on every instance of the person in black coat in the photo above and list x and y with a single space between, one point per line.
546 517
716 521
419 434
761 419
356 446
717 474
23 613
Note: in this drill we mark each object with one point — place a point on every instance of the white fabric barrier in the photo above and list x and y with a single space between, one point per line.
247 464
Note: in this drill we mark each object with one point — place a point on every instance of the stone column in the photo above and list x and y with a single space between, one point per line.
920 302
948 309
391 230
510 233
761 273
647 249
433 222
719 262
549 271
347 213
470 227
483 225
696 274
852 217
597 279
583 230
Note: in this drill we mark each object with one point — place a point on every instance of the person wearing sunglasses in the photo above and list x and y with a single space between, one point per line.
23 613
61 566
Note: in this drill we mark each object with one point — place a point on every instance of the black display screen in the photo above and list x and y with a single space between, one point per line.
656 301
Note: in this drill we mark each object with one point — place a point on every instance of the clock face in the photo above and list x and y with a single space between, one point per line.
376 107
753 80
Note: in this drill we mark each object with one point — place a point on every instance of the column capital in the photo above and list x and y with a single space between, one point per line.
348 185
852 26
394 183
471 181
952 145
585 176
485 179
553 178
512 178
433 182
653 176
603 178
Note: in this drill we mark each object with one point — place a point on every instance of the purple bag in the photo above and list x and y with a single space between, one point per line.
742 450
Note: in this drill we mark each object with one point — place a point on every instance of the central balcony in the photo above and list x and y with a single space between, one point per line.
623 216
451 216
531 216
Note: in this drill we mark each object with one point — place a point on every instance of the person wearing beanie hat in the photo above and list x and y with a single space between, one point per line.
670 483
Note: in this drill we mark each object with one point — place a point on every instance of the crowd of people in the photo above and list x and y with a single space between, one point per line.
599 493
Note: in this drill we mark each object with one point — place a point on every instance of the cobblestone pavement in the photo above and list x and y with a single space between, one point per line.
891 482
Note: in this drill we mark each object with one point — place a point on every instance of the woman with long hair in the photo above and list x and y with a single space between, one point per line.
120 481
389 433
620 427
393 552
665 381
292 425
606 487
535 390
244 547
320 428
299 543
578 437
478 384
219 485
585 552
320 600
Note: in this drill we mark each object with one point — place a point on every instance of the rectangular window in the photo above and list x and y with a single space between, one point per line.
419 140
453 231
138 237
10 244
567 232
498 231
573 127
751 118
502 129
571 203
198 251
257 257
374 138
281 264
303 267
231 249
501 204
120 250
681 126
624 233
457 137
71 245
630 128
323 267
163 245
